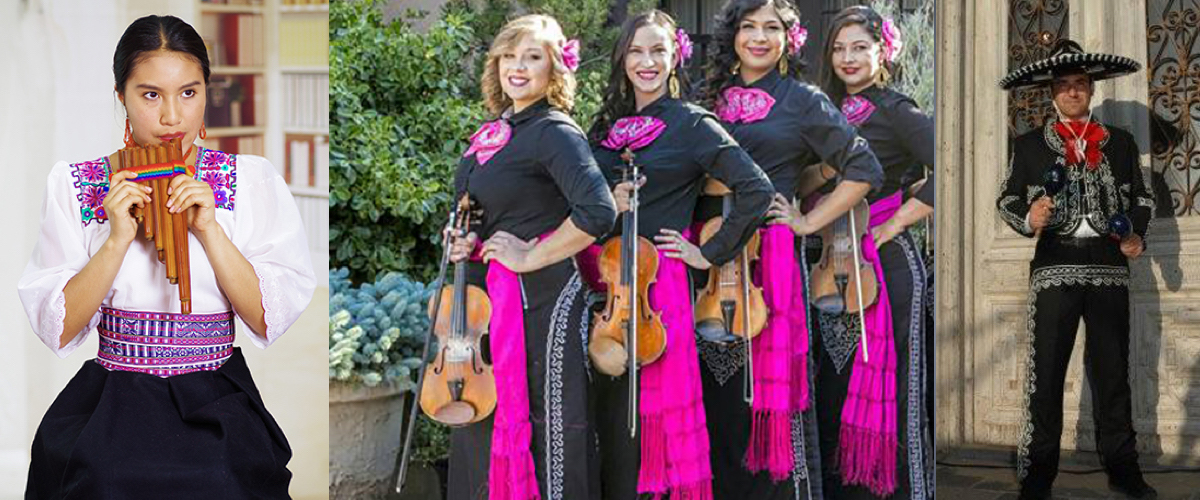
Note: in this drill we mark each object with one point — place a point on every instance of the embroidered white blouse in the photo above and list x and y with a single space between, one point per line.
254 208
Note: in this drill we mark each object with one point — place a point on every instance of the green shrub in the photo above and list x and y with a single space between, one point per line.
399 120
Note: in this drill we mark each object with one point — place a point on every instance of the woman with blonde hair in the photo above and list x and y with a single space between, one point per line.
543 199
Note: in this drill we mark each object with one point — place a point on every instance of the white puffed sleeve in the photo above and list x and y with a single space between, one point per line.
60 254
269 233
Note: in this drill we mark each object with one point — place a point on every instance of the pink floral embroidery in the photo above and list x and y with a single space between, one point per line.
216 168
219 170
744 105
570 55
891 40
214 179
93 171
684 43
857 109
633 132
489 140
91 185
797 37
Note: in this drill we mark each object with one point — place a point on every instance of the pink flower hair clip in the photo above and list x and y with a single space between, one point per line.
797 37
891 40
570 54
684 43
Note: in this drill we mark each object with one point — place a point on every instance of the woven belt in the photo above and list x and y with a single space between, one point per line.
164 344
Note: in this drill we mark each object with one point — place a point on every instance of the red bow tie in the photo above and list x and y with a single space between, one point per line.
1082 135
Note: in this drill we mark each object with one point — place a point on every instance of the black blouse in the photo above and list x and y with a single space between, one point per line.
803 128
544 174
902 138
692 146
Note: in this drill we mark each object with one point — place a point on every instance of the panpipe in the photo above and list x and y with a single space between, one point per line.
156 165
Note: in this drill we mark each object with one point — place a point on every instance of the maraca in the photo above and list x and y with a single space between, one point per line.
1119 227
1055 179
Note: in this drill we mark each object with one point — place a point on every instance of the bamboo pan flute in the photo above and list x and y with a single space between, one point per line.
156 165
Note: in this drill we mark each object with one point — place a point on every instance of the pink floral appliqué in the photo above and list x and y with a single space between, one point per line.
797 37
633 132
744 105
684 43
570 55
857 109
489 140
891 40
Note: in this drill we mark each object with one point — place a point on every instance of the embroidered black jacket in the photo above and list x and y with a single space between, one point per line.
1092 195
692 146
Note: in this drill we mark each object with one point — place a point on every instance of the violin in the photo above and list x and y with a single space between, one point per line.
458 387
842 266
731 305
841 261
628 265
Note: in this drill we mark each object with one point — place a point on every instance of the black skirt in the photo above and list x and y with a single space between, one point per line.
563 445
120 435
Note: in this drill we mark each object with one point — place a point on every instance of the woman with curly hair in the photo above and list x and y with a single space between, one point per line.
785 125
543 199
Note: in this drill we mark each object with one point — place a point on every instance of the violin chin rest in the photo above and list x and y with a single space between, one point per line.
455 413
608 356
831 304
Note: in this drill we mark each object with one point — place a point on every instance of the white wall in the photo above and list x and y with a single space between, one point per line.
56 103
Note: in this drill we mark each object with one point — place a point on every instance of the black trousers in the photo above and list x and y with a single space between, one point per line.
1073 279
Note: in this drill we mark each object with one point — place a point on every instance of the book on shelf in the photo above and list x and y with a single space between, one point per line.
233 101
234 39
306 101
242 145
307 162
321 164
299 163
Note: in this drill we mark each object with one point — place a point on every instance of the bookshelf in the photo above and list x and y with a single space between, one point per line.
269 96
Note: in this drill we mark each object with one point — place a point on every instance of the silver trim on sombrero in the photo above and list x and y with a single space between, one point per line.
1099 66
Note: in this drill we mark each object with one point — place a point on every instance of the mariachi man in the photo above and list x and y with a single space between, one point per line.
1075 185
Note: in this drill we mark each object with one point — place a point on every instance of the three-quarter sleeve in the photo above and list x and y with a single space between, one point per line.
1012 204
60 254
570 163
723 159
270 235
915 132
828 134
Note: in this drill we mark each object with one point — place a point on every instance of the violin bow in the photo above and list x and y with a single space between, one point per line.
748 386
631 249
862 317
437 305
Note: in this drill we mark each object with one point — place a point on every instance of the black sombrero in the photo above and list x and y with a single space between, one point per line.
1068 55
